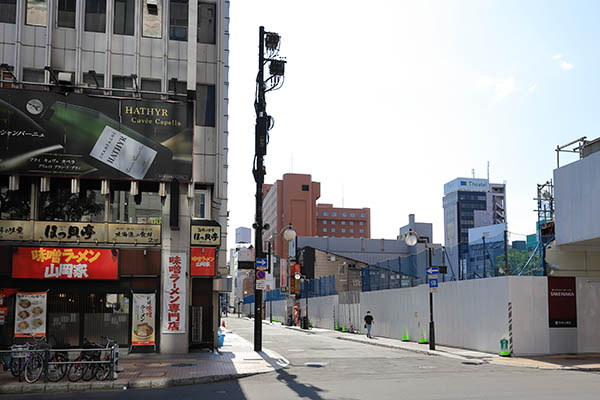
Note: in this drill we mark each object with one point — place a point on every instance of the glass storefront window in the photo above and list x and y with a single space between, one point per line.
59 204
106 315
15 204
63 319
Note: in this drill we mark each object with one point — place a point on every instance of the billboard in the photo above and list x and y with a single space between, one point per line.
65 263
562 302
79 135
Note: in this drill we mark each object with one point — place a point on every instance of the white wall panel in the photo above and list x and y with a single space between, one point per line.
145 47
157 68
70 60
27 57
70 38
588 315
529 297
28 35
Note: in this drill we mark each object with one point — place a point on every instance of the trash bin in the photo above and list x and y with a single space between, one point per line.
221 339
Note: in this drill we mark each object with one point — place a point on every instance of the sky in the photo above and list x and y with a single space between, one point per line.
385 101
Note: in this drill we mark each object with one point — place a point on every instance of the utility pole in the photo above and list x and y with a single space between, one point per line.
268 41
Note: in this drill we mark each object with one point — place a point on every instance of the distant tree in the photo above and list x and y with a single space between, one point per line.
517 259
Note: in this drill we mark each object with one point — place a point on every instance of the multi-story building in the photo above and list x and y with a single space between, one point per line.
290 200
343 222
113 179
469 203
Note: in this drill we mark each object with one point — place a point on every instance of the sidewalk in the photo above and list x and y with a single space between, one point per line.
576 362
236 359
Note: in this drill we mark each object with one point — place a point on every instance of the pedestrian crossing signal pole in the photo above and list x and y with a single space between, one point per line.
269 42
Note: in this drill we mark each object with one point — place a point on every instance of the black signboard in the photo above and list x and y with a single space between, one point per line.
562 302
77 135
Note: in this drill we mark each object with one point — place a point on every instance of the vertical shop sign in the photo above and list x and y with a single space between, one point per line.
30 314
562 302
203 261
174 293
142 323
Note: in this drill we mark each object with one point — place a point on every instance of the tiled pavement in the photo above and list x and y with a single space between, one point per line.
234 360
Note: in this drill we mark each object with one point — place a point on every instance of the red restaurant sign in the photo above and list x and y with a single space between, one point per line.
203 261
65 263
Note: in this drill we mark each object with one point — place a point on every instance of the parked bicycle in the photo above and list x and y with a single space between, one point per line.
78 367
28 362
57 363
103 370
11 363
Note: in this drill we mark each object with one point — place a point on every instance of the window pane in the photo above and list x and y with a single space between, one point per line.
15 204
199 204
152 85
37 12
145 208
206 23
8 11
34 75
59 204
152 19
179 20
205 105
122 82
124 13
95 15
66 13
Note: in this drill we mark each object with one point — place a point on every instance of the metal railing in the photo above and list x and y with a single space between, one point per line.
22 351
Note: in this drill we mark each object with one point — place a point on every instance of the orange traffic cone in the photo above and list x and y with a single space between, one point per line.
223 324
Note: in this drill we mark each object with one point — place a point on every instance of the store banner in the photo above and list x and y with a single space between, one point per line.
142 321
73 134
174 292
65 263
30 314
203 261
205 233
562 302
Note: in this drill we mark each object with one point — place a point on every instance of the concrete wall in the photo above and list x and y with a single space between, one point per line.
577 197
470 314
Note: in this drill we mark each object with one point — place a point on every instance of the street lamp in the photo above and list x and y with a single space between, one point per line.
304 279
289 234
411 238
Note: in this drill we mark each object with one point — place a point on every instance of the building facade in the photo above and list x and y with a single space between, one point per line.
113 181
469 203
343 222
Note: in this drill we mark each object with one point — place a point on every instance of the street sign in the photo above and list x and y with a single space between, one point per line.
261 284
260 275
261 263
430 270
433 285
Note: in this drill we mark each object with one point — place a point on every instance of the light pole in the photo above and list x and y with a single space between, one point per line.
411 238
268 41
304 279
289 234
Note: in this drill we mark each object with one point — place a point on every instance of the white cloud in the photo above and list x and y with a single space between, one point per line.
566 66
501 87
557 56
532 88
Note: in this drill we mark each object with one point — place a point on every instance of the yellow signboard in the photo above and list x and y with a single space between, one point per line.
134 233
69 232
203 235
16 230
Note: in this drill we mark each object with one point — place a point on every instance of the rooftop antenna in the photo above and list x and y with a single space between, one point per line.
488 171
473 172
342 195
292 163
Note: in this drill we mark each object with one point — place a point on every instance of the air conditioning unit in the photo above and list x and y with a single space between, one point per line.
332 258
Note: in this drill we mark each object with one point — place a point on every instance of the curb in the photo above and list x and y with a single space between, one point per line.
16 388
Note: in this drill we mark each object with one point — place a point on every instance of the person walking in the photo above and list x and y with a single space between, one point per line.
368 323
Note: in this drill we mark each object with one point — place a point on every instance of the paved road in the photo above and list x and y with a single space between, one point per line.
323 367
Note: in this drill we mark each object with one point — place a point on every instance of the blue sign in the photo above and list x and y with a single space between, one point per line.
433 283
261 263
433 270
260 275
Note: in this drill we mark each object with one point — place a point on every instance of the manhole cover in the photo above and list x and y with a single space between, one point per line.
182 365
315 364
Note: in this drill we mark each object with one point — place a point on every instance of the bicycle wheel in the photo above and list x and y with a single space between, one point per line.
56 371
34 368
103 372
76 371
15 367
90 371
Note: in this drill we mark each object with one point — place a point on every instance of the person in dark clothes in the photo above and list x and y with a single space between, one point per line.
368 323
